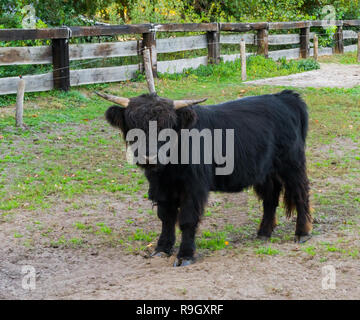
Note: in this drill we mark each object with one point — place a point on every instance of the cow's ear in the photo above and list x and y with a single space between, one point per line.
187 118
115 115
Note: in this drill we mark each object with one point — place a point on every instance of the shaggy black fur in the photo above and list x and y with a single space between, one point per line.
270 133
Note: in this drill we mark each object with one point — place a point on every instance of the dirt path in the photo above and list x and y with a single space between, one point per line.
74 274
329 75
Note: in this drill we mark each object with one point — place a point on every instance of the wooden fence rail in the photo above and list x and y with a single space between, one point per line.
60 53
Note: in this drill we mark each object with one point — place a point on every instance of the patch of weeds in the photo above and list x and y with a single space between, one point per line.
47 232
56 243
354 253
213 241
76 241
79 226
267 251
229 205
103 228
66 242
333 249
141 235
345 58
257 67
311 250
17 235
275 239
208 213
150 212
323 259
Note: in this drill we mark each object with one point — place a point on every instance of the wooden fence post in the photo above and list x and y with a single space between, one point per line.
213 40
149 41
148 70
305 42
20 104
243 59
358 48
316 47
263 42
61 64
339 40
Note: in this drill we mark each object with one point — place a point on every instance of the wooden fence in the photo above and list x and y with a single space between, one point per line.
60 53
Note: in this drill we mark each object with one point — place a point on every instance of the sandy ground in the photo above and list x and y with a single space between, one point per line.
329 75
111 275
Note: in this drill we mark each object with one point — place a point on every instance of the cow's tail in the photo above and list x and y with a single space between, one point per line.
294 100
295 181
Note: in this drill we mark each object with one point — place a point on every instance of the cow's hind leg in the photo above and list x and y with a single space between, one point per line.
167 212
297 196
269 192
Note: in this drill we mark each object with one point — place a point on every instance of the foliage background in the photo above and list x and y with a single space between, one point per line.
85 12
52 13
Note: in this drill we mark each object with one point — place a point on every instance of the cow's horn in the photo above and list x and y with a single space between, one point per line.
118 100
184 103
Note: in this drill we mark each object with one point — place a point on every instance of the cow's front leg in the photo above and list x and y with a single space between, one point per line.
189 218
185 256
167 212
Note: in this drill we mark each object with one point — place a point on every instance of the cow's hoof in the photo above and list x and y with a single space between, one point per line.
263 238
183 262
302 239
160 254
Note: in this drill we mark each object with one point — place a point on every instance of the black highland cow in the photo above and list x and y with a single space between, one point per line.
269 154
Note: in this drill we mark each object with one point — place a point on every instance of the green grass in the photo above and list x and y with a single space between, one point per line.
62 242
103 228
141 235
346 58
213 240
17 235
267 251
256 67
311 250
